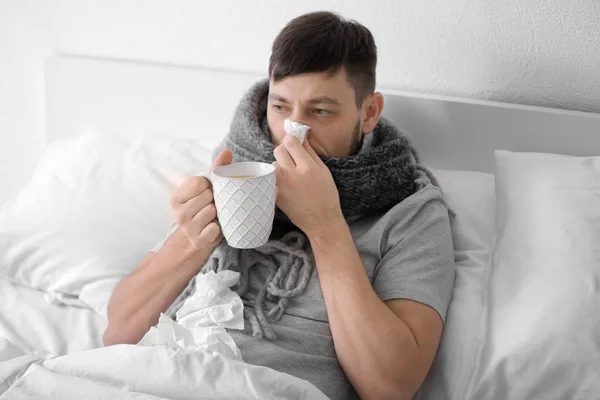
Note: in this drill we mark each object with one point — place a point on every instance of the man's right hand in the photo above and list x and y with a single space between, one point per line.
194 208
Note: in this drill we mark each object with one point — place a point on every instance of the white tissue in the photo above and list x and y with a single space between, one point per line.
213 303
213 339
203 318
296 129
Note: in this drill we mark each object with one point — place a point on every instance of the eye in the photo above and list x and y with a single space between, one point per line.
277 108
320 111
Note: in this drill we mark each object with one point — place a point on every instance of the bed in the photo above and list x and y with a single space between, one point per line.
522 180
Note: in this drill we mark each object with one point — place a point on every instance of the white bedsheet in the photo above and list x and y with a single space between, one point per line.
139 372
35 326
49 351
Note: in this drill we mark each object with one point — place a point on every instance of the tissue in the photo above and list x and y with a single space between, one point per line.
296 129
204 317
213 339
213 303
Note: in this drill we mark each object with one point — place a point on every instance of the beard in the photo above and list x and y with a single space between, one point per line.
357 139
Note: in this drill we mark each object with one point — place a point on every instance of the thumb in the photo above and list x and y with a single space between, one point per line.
225 157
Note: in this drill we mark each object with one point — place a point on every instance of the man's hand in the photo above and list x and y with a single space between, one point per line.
306 191
194 208
140 298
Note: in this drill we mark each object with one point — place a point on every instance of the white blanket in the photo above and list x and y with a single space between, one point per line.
142 372
192 358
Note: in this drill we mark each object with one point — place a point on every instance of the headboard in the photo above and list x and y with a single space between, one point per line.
139 98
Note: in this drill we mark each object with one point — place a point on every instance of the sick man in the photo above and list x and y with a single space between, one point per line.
351 291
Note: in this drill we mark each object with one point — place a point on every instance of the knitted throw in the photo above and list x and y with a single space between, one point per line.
369 182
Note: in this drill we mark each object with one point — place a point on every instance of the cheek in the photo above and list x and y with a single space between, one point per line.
329 134
335 139
322 141
276 127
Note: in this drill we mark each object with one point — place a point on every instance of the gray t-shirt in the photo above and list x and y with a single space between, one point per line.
407 253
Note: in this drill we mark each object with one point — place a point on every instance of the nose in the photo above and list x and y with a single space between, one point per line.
298 115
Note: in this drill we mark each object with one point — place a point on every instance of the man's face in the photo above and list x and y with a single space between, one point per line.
325 103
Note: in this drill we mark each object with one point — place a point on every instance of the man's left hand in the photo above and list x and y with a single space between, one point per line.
306 192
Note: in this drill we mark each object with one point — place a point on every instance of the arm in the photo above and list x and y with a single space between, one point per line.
140 298
386 348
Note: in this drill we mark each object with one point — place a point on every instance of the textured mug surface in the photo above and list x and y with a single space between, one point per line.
244 195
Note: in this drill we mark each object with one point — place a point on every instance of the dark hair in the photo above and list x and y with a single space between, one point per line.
325 42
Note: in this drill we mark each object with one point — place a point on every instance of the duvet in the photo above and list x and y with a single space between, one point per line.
128 372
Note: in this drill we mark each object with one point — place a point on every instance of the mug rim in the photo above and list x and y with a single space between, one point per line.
271 169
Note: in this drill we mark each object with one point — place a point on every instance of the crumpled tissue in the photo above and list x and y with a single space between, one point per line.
204 317
213 302
296 129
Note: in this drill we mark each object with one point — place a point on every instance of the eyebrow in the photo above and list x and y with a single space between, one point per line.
325 100
316 100
276 97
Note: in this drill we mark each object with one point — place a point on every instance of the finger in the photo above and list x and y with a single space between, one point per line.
283 157
296 151
211 234
225 157
186 212
189 189
311 152
202 219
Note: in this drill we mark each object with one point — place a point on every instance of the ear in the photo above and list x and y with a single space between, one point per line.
371 111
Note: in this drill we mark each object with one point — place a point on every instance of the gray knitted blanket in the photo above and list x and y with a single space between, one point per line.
372 181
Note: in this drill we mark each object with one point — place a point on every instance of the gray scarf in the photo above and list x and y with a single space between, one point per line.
369 182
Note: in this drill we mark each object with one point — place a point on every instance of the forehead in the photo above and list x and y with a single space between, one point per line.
314 85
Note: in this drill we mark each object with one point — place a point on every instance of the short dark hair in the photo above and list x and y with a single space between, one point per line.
325 42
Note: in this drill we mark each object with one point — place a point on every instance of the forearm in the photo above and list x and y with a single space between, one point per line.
140 298
374 346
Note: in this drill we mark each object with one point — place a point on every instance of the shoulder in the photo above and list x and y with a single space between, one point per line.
421 216
425 204
424 213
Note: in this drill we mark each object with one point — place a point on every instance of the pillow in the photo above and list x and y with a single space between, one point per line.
94 208
471 196
541 332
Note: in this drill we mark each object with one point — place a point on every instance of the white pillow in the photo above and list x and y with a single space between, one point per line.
541 331
94 208
471 196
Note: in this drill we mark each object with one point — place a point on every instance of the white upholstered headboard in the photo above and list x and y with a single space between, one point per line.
136 98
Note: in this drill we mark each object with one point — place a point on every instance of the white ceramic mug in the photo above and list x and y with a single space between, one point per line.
244 195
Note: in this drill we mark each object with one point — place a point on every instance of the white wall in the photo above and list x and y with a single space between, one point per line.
25 39
542 52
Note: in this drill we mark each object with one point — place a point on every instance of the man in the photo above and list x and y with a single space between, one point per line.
378 257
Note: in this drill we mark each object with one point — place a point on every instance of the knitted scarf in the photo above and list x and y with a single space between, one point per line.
369 182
